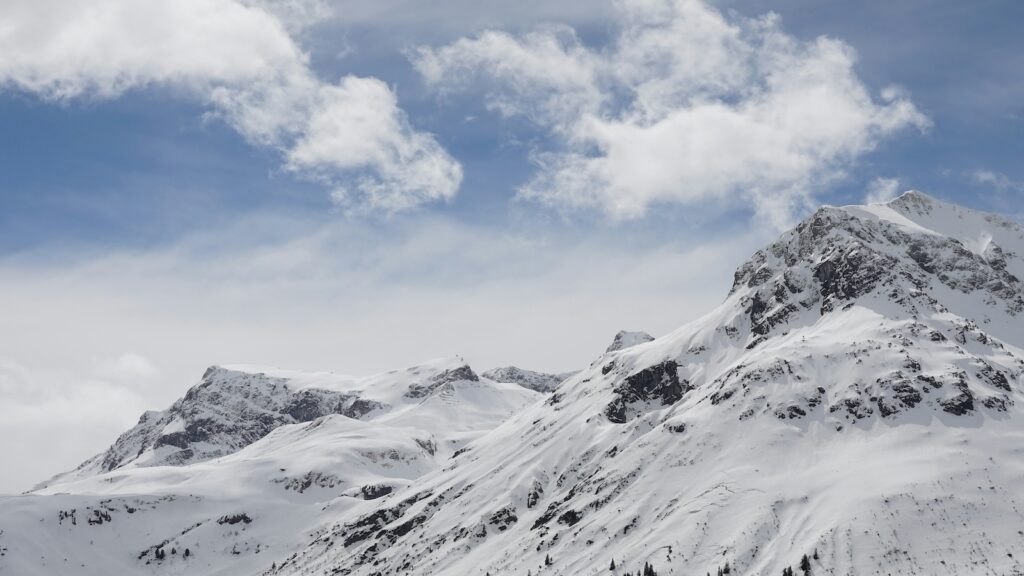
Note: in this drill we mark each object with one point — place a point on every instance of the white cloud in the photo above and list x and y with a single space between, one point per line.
240 57
295 14
51 419
881 190
358 123
449 18
685 106
996 180
545 75
130 367
63 49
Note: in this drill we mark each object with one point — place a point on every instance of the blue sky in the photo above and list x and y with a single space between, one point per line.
148 229
145 168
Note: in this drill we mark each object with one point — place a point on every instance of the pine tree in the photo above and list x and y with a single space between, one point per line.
612 567
726 570
187 552
805 564
815 553
547 560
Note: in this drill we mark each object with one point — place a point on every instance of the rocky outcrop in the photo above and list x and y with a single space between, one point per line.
225 412
626 339
652 387
536 381
437 382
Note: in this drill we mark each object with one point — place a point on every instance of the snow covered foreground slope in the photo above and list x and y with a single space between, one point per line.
856 398
246 466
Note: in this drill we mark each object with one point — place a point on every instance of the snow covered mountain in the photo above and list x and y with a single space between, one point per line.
247 465
855 399
233 407
854 403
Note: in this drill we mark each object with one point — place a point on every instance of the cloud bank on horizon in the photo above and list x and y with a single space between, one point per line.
684 105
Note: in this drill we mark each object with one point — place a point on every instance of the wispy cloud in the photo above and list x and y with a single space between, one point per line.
882 190
238 56
53 416
996 180
685 106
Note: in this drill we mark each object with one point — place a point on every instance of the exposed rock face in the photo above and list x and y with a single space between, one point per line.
833 258
657 386
536 381
225 412
440 381
625 339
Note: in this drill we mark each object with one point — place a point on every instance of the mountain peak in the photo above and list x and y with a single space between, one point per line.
627 339
536 381
911 196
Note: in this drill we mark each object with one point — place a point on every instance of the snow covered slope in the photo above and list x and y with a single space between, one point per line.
243 469
856 399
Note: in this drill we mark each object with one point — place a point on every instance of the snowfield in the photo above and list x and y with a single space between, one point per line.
856 399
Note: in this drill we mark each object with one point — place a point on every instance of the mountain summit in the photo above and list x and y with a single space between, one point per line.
852 407
625 339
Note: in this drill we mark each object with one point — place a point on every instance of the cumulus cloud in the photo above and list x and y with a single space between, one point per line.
239 56
685 106
881 190
358 123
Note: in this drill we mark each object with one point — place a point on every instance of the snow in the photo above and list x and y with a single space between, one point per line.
857 395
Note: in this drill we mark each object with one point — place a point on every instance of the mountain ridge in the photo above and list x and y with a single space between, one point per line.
855 400
234 406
